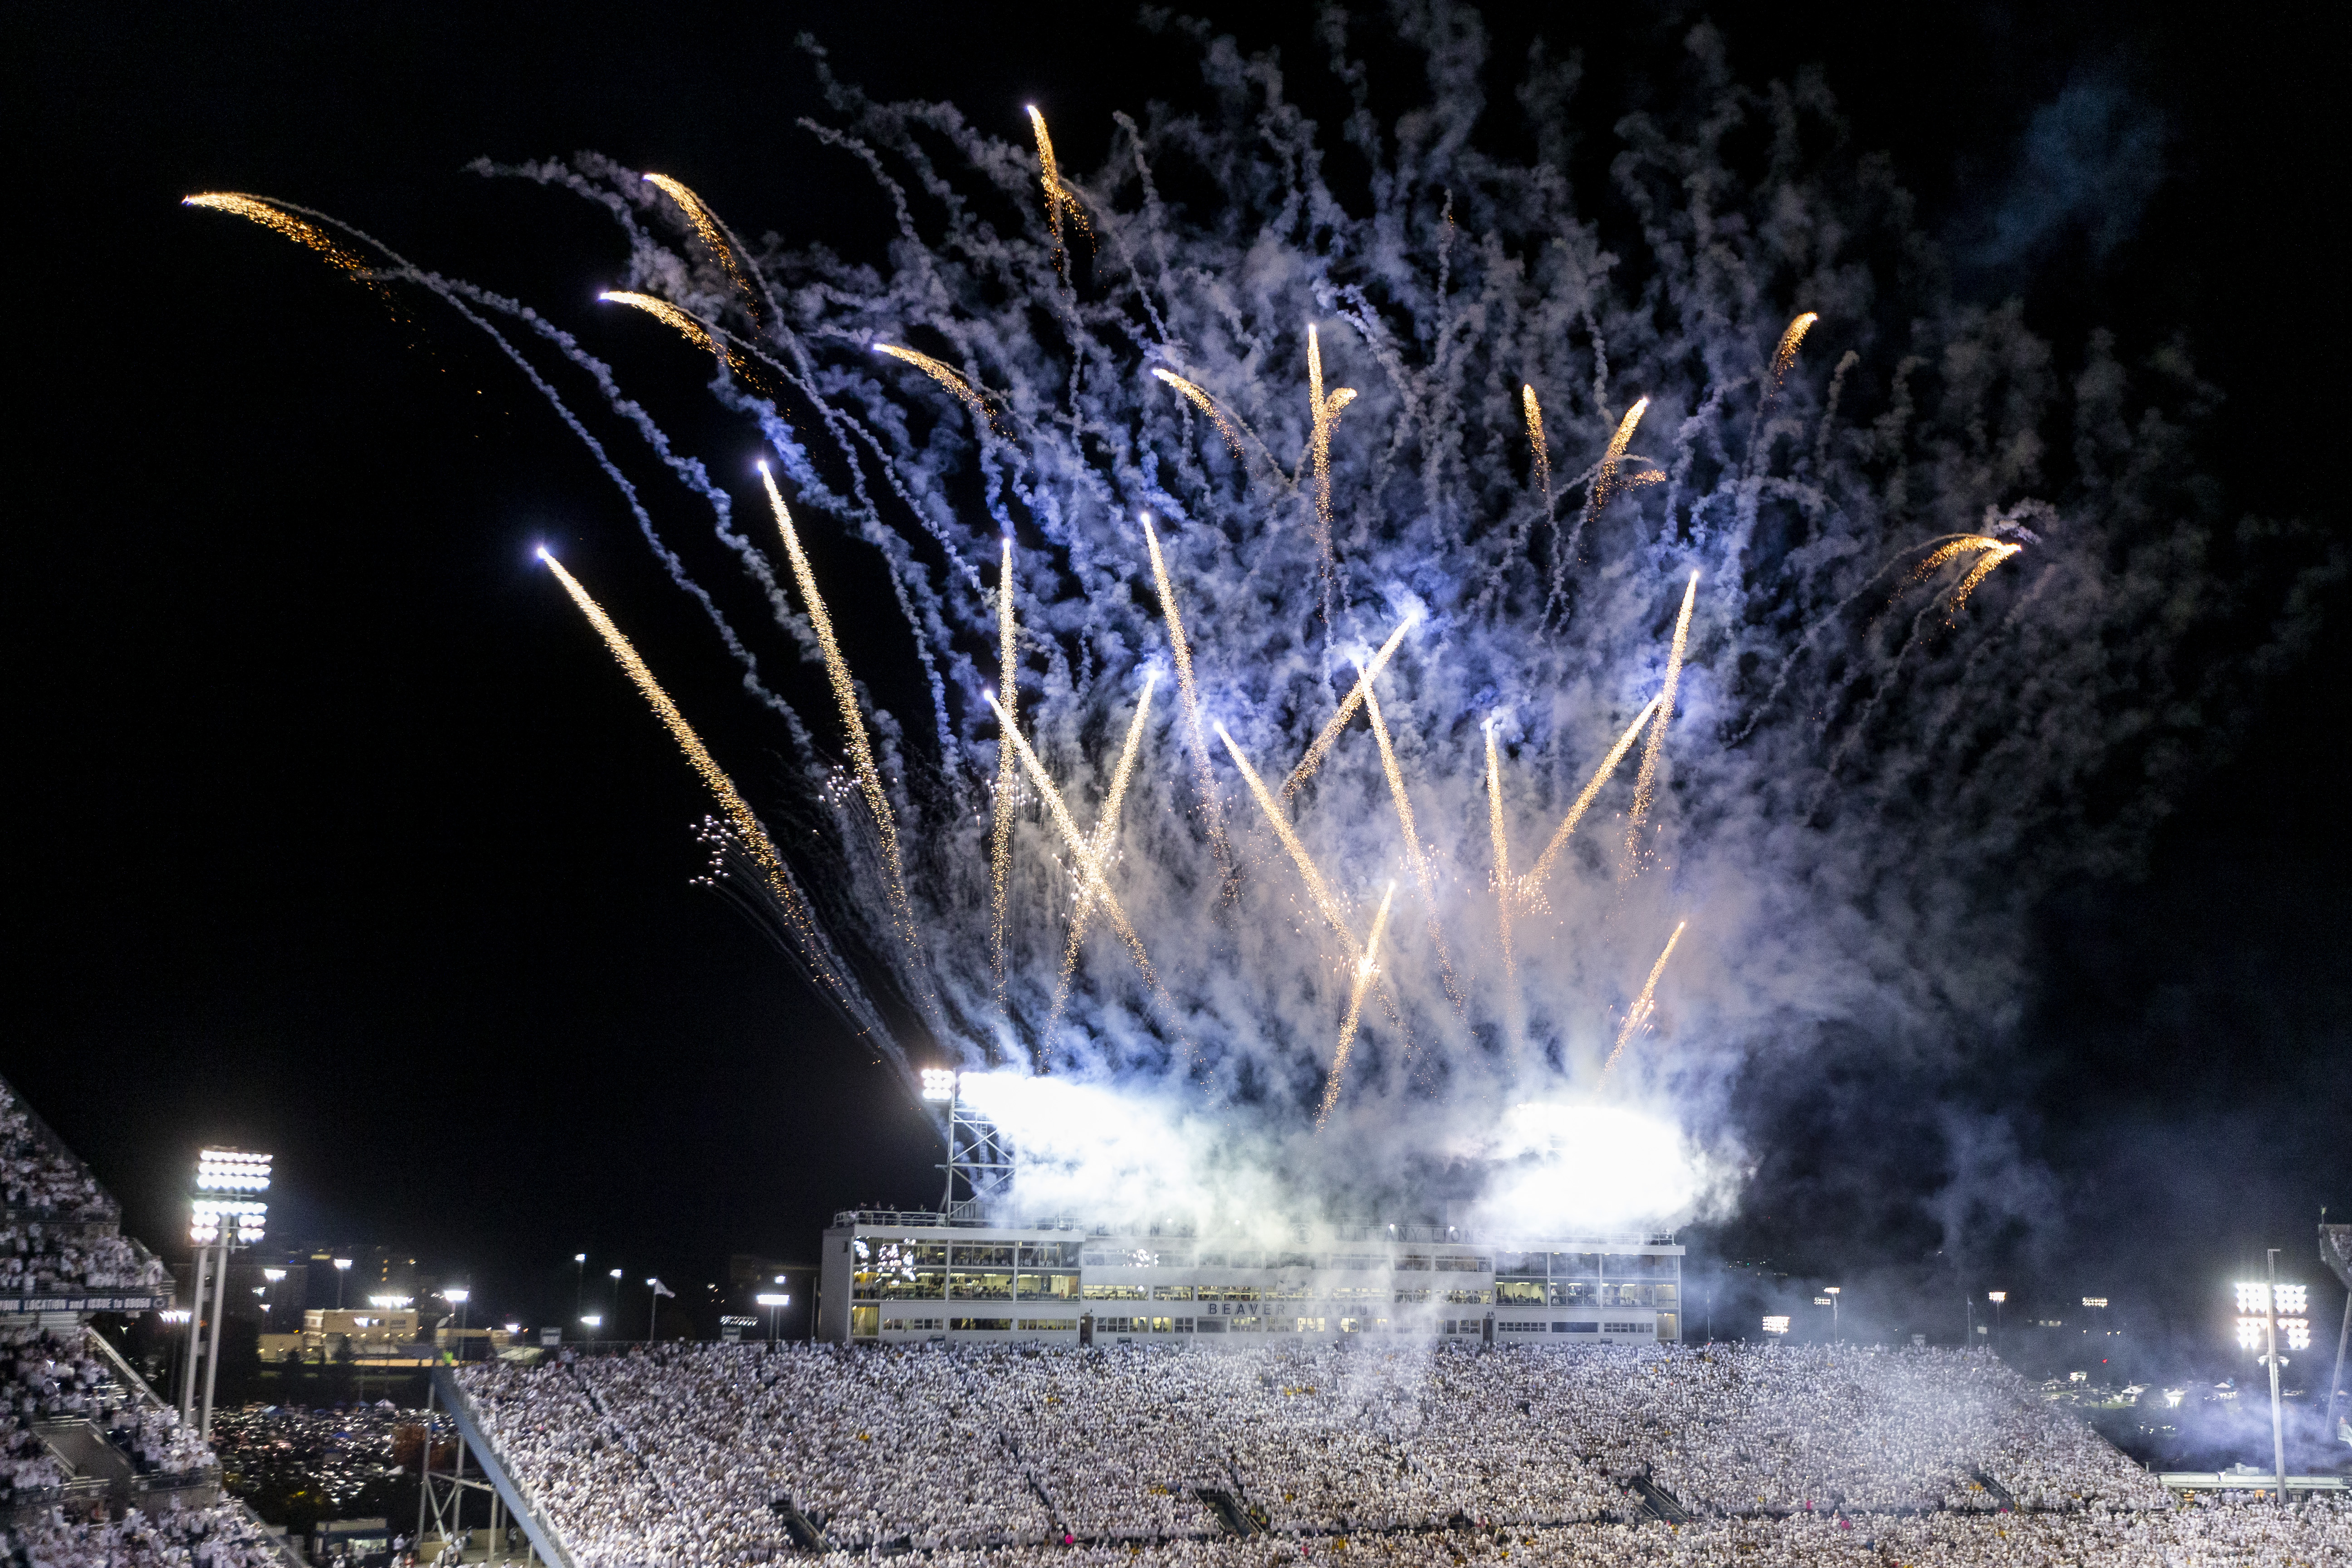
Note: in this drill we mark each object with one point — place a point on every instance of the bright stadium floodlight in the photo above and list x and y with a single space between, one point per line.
594 1320
939 1083
772 1299
2260 1304
1775 1325
273 1274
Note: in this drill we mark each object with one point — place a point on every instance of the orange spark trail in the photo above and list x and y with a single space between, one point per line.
1639 1014
1008 769
1347 710
957 387
861 753
1105 834
1326 412
1977 574
1531 888
1183 654
1502 849
1416 855
1366 968
1091 870
714 778
1061 201
1208 406
1316 890
308 234
706 223
1535 442
1784 358
1605 483
1645 782
692 329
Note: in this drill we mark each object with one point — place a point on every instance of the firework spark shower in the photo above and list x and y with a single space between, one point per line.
1761 423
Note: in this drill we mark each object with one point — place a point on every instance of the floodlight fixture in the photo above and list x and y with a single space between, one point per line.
616 1274
579 1257
231 1171
273 1274
772 1299
514 1327
392 1301
1834 1289
460 1295
939 1083
239 1221
1996 1296
594 1320
1775 1325
343 1263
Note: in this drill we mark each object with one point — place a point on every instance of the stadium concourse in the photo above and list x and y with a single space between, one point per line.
1172 1457
95 1471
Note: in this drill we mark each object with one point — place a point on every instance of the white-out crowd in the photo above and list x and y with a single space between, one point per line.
217 1535
699 1454
46 1376
34 1174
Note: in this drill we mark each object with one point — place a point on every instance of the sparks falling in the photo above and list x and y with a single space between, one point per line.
1325 410
1210 407
1320 747
1645 1005
1645 782
1784 358
1531 889
1008 768
713 232
1182 653
1977 574
1317 892
1367 968
946 376
662 311
1502 846
1061 200
1605 481
307 235
1536 444
1416 854
1105 837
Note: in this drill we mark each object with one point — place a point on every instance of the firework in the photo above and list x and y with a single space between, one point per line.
1367 968
1605 482
1324 904
853 724
687 326
1061 200
307 235
1536 443
1208 406
747 831
1008 772
1106 833
1321 745
1531 888
1977 574
1645 1005
1415 854
714 233
1784 358
946 376
1501 844
1645 782
1182 655
1326 412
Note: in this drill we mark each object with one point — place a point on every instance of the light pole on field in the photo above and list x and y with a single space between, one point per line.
2261 1333
579 1279
1996 1297
342 1272
772 1300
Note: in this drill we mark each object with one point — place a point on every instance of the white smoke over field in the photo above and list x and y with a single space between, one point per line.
1865 784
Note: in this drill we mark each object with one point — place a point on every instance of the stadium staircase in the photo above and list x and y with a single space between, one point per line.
1661 1504
520 1505
806 1532
1995 1490
1229 1513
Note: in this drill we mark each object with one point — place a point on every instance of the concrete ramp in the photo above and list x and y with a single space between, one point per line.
521 1505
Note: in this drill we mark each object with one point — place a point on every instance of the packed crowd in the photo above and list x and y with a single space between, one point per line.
36 1259
35 1174
49 1376
219 1535
702 1454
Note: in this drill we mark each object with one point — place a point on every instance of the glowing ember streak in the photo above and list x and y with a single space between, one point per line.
853 723
1531 888
1502 847
1645 782
1089 865
1415 855
1605 483
1938 556
1008 768
706 223
1106 833
1326 411
1644 1005
1784 358
1183 654
956 384
753 836
308 234
1366 968
1061 201
1324 904
1208 406
1322 743
693 330
1977 574
1535 442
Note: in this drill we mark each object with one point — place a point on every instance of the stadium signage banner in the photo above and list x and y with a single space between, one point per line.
84 1303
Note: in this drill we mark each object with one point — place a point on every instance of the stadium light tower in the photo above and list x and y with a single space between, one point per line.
579 1279
1833 1292
342 1272
2268 1296
772 1300
1996 1297
225 1212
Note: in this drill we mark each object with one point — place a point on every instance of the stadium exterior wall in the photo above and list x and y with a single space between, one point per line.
899 1278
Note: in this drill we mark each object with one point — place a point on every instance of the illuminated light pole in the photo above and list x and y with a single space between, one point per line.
614 1275
2266 1297
224 1213
342 1272
1833 1292
1996 1297
772 1300
579 1279
593 1321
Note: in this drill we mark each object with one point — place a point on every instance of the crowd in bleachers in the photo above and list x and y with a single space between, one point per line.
36 1259
699 1454
36 1175
215 1536
46 1376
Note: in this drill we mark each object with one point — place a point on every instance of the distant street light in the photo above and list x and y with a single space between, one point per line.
594 1320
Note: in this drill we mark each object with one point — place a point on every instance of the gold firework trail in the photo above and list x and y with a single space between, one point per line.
1208 406
1415 855
1502 847
1784 358
1531 888
1008 768
706 223
1105 834
1324 904
747 826
1322 743
688 327
1367 968
1644 1005
1645 782
1536 443
1938 556
1061 200
305 234
1090 871
1606 483
1325 410
1183 654
1977 574
957 387
853 724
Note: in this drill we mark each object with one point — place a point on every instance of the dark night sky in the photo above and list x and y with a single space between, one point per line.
336 835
